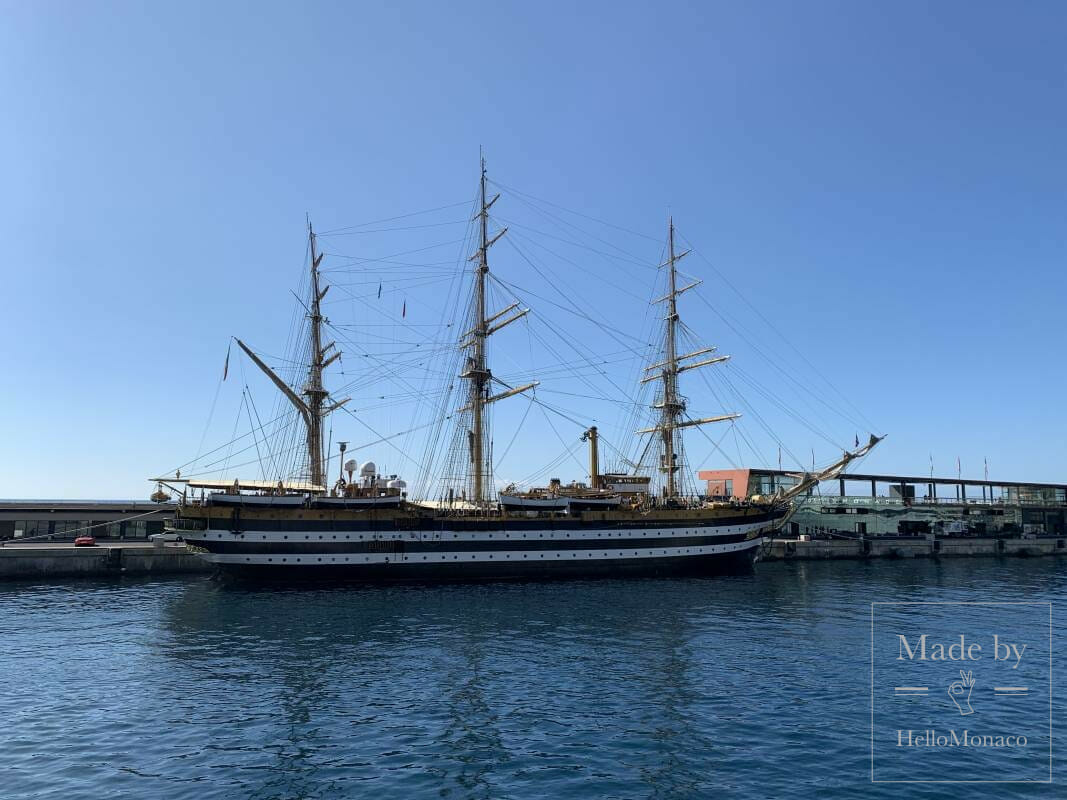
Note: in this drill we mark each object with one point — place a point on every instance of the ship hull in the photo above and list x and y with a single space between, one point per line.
449 550
667 567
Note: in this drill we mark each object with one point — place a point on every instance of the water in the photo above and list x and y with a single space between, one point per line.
752 686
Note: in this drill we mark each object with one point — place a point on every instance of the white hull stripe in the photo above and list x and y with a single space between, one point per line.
400 559
558 535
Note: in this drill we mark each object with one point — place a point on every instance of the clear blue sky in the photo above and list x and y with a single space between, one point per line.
886 181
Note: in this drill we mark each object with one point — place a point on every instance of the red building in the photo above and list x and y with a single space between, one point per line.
741 483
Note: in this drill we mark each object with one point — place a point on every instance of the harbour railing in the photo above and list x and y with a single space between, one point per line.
860 500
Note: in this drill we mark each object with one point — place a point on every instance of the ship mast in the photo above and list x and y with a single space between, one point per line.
672 405
477 371
312 406
313 390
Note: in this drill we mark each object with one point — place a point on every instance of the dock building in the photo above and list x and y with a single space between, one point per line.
63 520
894 505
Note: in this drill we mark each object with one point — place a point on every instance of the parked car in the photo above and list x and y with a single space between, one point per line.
85 541
167 536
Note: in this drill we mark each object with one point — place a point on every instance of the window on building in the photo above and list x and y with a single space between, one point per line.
26 528
70 527
136 529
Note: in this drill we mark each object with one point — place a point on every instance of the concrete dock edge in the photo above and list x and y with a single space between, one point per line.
54 561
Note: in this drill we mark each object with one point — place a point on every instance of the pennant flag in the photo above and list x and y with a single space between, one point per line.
931 465
813 459
985 464
959 469
857 440
779 456
404 310
379 291
226 366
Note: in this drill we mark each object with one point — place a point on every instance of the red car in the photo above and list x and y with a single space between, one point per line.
85 541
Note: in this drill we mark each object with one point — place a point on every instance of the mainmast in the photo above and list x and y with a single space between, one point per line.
477 371
672 405
312 406
313 390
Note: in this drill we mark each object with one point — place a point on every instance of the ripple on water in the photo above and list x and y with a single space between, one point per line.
751 686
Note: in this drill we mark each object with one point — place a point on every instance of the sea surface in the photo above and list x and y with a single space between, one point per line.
751 686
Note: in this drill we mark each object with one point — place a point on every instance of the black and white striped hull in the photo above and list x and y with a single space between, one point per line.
519 552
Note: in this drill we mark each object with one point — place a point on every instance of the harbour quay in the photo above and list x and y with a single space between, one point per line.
895 516
37 539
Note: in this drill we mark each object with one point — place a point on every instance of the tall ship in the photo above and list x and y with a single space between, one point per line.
365 526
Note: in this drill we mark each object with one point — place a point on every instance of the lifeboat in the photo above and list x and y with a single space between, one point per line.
529 502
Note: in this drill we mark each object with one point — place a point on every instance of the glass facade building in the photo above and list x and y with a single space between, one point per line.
45 521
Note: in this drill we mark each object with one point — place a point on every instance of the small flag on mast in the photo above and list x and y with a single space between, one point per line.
857 440
779 456
226 366
379 291
985 464
404 310
959 469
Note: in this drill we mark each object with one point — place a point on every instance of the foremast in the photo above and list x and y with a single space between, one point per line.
312 405
672 405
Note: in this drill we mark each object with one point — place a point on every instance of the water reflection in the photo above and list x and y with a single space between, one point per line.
664 689
655 688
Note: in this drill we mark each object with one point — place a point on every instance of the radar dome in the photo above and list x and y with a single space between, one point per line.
368 469
350 465
396 483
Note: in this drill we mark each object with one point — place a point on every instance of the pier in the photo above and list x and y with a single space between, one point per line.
64 560
806 548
